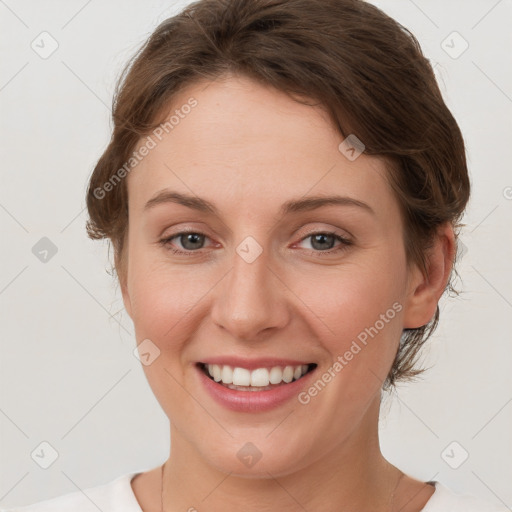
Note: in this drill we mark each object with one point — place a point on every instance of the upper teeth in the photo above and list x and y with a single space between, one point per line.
260 377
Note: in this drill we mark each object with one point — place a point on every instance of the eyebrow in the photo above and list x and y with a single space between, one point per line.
293 206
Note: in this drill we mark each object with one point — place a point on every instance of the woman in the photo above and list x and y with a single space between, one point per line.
282 191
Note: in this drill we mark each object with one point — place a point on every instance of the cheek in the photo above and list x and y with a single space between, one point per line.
161 303
360 311
341 301
152 289
164 310
354 296
165 298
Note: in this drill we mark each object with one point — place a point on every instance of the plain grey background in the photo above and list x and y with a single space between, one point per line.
68 374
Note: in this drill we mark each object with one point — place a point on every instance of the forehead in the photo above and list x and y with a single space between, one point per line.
249 143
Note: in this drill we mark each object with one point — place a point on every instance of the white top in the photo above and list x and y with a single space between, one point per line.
118 496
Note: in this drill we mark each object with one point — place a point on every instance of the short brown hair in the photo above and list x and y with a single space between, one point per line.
363 67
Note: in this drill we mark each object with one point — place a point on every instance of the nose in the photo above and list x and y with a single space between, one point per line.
251 300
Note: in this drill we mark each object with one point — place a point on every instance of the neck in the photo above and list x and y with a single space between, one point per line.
353 475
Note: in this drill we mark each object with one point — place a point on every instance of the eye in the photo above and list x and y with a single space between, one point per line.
189 240
322 242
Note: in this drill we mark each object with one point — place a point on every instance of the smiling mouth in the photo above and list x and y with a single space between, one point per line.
259 379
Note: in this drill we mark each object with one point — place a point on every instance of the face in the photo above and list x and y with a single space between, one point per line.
263 276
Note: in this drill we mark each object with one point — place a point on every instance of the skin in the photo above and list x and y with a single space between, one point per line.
245 140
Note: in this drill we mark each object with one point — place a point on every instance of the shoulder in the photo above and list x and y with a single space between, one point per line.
444 499
114 496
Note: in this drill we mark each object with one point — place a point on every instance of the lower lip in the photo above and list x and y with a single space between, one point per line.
253 401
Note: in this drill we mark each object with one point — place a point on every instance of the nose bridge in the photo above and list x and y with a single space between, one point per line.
251 298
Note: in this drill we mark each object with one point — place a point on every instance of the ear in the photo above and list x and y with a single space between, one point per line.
424 292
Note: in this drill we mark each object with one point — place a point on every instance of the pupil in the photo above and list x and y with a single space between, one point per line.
194 238
322 237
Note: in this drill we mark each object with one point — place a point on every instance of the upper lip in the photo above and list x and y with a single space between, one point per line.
251 364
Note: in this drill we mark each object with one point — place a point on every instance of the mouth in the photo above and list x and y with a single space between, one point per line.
257 379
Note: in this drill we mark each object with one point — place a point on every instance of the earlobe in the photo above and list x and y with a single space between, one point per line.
424 292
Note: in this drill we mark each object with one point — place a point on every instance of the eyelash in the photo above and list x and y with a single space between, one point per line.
345 243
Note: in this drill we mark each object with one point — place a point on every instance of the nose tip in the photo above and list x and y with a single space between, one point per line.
251 300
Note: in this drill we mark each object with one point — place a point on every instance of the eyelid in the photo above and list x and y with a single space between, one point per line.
164 240
331 231
345 242
346 235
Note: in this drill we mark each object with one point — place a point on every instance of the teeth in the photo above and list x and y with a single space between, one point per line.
260 377
216 373
241 377
227 375
276 375
288 373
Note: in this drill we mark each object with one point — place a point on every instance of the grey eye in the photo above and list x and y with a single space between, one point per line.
191 241
318 241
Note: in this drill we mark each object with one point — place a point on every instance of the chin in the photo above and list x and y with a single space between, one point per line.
256 457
